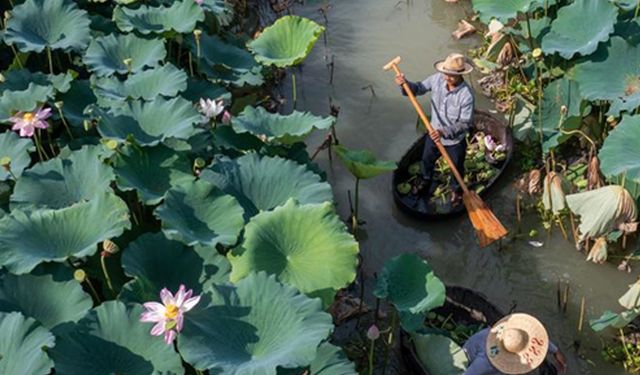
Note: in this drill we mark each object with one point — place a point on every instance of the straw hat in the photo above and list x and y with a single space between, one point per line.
454 64
517 344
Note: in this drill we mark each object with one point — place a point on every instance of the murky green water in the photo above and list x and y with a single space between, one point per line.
362 36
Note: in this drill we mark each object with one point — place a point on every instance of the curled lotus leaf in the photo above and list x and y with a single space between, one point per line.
555 187
579 27
111 340
602 210
306 246
150 123
28 238
64 180
506 9
631 299
614 320
274 127
48 301
362 163
24 344
181 17
329 360
123 53
151 171
23 90
620 153
200 213
16 149
264 183
56 24
156 262
409 283
287 42
254 327
439 354
612 74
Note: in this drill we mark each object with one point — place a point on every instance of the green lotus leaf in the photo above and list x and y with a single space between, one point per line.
539 28
149 123
264 183
166 80
253 328
620 152
25 91
330 360
306 246
602 210
16 149
200 213
181 17
279 128
504 10
626 4
110 54
48 301
579 27
29 238
217 52
221 9
614 320
197 89
151 171
111 340
237 78
439 354
287 42
156 262
612 74
63 181
75 101
56 24
362 163
561 109
410 284
23 346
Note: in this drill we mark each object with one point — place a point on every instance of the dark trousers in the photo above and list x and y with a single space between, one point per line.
431 153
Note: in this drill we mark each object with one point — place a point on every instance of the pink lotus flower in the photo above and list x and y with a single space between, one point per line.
169 315
27 122
199 2
489 143
226 118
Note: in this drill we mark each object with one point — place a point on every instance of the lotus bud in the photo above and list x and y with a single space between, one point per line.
199 163
537 53
373 333
59 104
598 253
111 144
109 248
563 110
79 275
127 62
594 181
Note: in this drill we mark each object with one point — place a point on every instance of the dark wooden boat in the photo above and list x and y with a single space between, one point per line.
467 307
429 210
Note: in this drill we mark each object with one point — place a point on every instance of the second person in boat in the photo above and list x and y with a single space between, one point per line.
452 106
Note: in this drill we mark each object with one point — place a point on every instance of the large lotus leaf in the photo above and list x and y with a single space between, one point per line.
579 27
29 238
63 181
198 88
539 28
166 80
151 171
523 127
253 328
216 51
156 262
263 183
410 284
613 73
287 42
23 346
181 16
150 122
199 213
25 91
614 320
306 246
279 128
55 24
221 9
439 354
620 153
503 10
330 360
602 210
17 150
75 101
48 301
561 109
110 54
111 340
362 163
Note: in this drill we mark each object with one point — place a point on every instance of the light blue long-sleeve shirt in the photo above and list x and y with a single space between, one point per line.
476 351
451 111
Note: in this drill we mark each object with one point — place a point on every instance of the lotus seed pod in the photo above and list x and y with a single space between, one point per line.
6 163
110 247
79 275
563 110
87 125
197 33
612 121
199 163
537 53
59 104
112 144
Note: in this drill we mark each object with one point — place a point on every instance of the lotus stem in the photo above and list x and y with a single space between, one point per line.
635 14
64 121
50 60
199 372
561 225
371 349
390 340
93 291
190 64
15 53
530 37
39 148
106 274
581 320
295 92
355 205
53 152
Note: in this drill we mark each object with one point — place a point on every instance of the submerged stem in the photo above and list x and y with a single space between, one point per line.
190 64
106 274
50 60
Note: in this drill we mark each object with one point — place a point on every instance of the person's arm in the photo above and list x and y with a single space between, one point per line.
561 360
464 123
420 88
480 366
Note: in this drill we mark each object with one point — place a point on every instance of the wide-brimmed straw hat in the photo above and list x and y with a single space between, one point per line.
454 64
517 344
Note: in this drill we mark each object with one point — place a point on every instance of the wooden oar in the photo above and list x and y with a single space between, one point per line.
488 227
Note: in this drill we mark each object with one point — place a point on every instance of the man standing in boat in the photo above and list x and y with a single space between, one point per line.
452 106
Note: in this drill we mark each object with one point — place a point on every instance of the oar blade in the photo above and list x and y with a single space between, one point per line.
488 228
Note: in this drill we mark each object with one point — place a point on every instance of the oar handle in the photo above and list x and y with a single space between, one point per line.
393 64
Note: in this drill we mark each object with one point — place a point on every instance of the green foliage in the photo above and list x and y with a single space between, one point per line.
619 155
439 354
122 54
23 345
17 151
362 163
181 17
